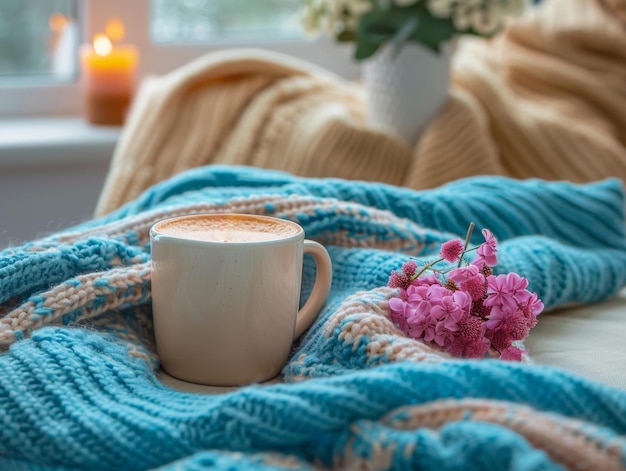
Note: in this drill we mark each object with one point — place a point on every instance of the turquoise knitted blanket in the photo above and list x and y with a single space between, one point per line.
78 370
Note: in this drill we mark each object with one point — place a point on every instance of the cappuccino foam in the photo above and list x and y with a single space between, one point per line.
231 228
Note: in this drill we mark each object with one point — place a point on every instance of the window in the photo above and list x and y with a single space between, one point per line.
38 57
38 39
167 33
218 20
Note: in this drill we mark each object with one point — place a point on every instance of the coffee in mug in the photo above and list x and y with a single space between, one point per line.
232 229
226 292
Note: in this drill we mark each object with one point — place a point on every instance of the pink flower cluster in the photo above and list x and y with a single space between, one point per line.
466 311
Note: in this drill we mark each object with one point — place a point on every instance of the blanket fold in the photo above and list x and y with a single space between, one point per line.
79 385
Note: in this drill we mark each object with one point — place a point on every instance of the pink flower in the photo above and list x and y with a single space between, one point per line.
497 317
469 341
419 324
398 309
534 304
398 280
425 280
451 310
513 354
426 313
409 268
437 292
461 346
445 307
430 332
514 323
476 287
507 291
517 326
422 298
531 309
476 349
472 328
425 292
451 250
397 305
479 309
500 339
424 308
461 275
463 300
490 239
486 252
468 311
442 334
416 293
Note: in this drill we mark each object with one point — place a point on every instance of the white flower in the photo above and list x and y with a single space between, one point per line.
313 15
358 8
333 16
486 21
337 17
484 16
468 13
440 8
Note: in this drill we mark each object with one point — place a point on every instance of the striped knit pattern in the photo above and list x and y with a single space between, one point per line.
78 379
544 99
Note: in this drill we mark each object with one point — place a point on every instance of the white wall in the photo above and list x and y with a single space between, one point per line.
51 174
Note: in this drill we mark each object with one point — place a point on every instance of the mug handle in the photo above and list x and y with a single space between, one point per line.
321 288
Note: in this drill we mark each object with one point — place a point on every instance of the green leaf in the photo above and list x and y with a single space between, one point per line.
379 26
431 31
398 25
365 49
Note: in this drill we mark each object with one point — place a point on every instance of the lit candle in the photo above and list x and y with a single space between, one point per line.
108 75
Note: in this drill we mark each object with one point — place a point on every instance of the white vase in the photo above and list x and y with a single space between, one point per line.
406 91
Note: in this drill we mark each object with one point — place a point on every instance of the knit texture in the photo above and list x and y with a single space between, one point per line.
78 383
544 99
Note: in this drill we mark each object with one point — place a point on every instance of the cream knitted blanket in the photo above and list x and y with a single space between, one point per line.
547 98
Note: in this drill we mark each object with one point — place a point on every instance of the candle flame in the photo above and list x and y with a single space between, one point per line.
57 22
115 29
102 45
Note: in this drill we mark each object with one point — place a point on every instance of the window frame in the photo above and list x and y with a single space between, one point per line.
62 99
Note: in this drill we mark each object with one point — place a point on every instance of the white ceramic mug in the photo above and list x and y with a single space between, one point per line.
226 292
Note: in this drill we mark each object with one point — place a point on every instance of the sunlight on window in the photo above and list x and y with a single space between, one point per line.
176 21
38 39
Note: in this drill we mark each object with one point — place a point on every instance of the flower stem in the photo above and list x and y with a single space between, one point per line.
429 265
425 267
470 229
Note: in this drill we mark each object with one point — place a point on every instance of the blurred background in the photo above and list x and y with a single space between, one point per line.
52 161
39 38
